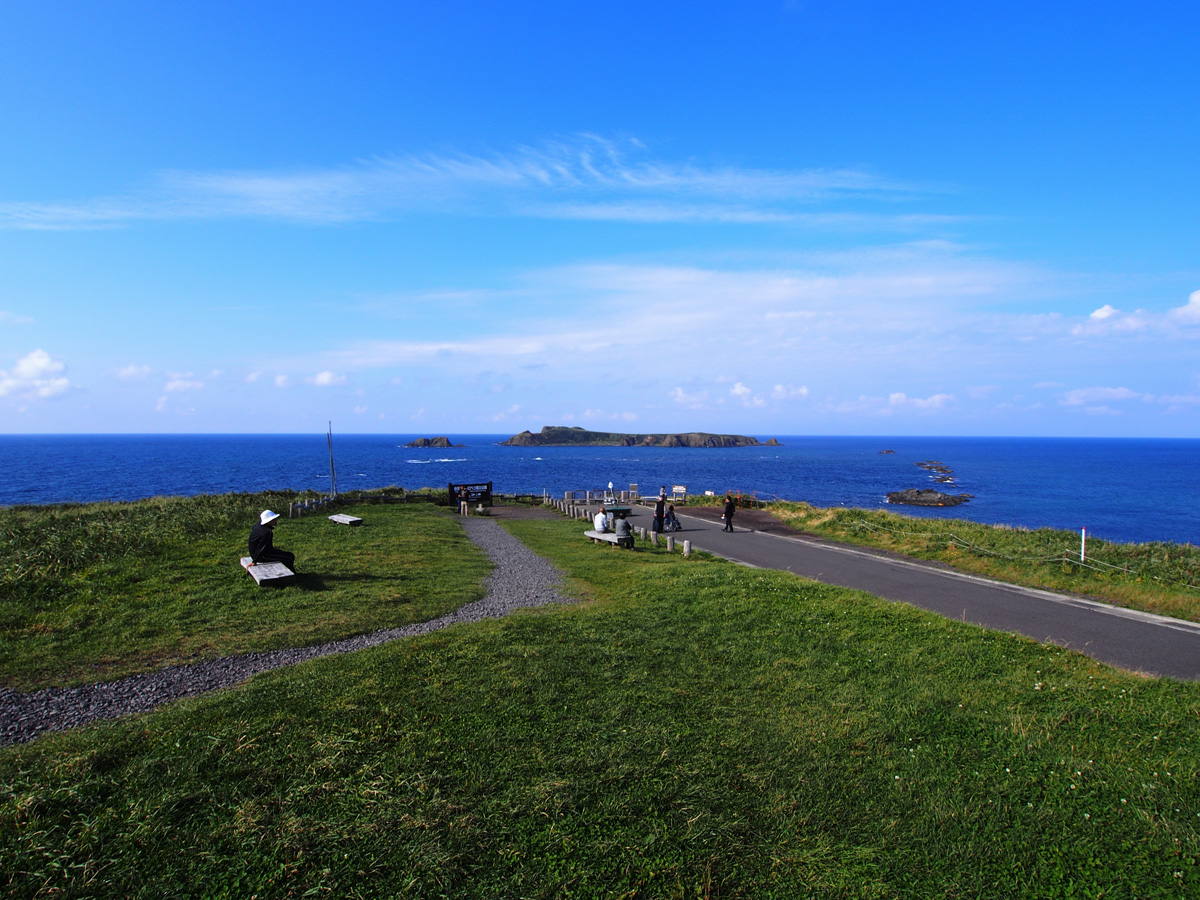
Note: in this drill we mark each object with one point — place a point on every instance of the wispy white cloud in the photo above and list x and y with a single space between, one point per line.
506 414
7 318
1178 321
1108 401
746 395
326 379
586 177
183 382
788 392
691 399
902 401
133 371
1095 396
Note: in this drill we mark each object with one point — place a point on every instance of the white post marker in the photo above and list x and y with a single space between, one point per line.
1083 545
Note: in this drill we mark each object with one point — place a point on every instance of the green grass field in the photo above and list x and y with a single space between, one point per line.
690 728
93 593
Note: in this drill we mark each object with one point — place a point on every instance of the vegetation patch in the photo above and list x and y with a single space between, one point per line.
95 592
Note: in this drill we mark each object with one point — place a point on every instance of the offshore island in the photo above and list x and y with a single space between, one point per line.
562 436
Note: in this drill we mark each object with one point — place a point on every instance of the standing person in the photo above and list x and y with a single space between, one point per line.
730 506
660 510
262 542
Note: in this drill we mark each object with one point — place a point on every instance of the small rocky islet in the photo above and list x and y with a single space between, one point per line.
941 473
439 443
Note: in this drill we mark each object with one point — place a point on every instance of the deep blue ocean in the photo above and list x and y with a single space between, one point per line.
1127 490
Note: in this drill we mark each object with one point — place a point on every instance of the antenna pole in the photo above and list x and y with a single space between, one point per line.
332 473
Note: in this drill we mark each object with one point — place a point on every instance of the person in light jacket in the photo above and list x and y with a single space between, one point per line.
601 521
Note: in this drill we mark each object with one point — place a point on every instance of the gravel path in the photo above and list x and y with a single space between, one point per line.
521 578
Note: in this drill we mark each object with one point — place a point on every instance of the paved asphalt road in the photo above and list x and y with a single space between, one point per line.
1137 641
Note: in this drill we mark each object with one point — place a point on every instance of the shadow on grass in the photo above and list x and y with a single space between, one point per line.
313 581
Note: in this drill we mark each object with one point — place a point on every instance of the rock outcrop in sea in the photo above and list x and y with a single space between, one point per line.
437 442
939 472
562 436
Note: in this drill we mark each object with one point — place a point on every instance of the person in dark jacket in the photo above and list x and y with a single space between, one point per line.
730 506
262 542
659 512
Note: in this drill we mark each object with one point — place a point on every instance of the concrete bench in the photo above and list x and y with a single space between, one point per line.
267 573
607 537
343 519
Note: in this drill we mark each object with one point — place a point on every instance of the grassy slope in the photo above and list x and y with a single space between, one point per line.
696 729
159 583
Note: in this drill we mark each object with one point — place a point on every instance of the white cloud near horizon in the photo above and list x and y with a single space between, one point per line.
35 375
935 314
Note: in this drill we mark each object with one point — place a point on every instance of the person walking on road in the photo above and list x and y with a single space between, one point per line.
730 506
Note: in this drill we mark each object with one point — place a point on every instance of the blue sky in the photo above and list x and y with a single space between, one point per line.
768 218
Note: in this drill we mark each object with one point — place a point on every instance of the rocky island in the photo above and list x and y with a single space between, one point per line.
562 436
437 442
939 472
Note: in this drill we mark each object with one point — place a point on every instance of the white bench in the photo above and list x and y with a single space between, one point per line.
267 573
343 519
608 537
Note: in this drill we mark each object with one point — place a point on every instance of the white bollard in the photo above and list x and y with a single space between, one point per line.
654 538
687 548
670 543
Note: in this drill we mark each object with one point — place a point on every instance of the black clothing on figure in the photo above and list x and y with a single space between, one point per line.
730 506
262 547
659 506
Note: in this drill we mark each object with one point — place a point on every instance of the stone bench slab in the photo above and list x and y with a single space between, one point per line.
267 573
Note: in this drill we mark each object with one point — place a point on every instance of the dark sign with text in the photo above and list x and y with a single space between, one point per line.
471 493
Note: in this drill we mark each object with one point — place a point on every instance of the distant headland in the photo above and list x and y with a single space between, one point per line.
562 436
